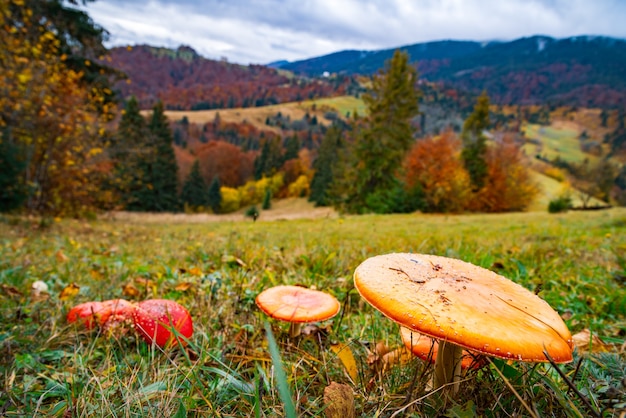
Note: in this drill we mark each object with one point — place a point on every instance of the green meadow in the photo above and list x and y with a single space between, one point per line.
575 261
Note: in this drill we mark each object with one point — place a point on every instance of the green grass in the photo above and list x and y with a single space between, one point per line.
575 261
556 142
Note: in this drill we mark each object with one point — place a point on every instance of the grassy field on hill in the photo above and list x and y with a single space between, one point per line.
575 261
257 115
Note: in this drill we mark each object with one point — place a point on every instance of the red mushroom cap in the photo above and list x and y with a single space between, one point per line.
101 313
156 318
297 304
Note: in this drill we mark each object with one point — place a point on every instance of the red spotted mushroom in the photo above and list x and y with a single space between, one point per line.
105 313
162 321
297 305
463 306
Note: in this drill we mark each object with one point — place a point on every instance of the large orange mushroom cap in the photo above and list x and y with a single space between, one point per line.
297 304
464 304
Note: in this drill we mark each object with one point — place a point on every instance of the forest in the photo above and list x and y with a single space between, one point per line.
85 130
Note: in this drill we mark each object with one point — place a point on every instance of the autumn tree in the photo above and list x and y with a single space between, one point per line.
475 143
434 174
387 135
195 193
51 114
508 185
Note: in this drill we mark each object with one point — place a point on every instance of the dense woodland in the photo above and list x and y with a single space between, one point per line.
76 137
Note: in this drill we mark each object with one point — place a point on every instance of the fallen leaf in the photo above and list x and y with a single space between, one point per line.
585 341
11 291
398 356
69 292
95 274
61 258
130 290
347 359
144 282
195 271
339 401
231 259
184 286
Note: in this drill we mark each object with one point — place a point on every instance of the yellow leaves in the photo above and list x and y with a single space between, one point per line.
24 78
195 271
69 291
344 354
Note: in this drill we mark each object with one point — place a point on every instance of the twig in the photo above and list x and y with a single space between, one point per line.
517 395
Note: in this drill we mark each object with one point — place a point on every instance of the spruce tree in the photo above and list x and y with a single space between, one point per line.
386 137
292 147
129 148
324 165
267 200
475 143
215 194
195 193
164 175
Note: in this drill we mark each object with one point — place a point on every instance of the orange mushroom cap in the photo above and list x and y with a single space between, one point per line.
464 304
297 304
426 348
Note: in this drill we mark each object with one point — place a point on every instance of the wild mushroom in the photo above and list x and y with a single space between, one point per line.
297 305
426 348
105 313
463 305
156 320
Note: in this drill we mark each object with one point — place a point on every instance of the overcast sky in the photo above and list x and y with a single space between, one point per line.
262 31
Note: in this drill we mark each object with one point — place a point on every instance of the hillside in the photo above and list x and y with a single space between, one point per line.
581 71
184 80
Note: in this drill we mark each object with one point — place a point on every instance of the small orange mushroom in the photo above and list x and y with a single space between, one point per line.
297 305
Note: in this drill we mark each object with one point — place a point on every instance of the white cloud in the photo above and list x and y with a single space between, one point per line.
260 31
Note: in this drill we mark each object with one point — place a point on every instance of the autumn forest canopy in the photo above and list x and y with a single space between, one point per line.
84 129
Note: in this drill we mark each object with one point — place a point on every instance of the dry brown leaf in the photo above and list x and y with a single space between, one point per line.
339 401
69 292
130 290
11 291
184 286
585 341
347 358
61 258
398 356
95 274
144 282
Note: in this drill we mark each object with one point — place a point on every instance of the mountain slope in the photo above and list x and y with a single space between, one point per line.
184 80
582 71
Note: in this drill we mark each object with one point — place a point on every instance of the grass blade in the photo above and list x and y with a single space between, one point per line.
281 378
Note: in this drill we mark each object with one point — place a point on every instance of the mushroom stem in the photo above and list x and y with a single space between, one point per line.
448 365
294 329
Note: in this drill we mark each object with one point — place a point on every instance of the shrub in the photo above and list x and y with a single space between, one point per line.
560 204
231 200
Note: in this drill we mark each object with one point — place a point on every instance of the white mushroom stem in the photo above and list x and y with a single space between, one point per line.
448 365
295 329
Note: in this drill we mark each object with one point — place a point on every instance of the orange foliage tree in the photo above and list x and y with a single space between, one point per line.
230 163
434 170
508 185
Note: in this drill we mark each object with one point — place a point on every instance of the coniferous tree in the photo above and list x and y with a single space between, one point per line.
164 175
475 143
386 137
292 147
129 148
13 191
195 192
267 200
269 160
324 166
215 194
